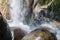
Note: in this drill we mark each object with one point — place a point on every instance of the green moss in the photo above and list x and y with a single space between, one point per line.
43 2
55 8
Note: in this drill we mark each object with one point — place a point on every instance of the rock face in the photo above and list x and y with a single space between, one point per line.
5 33
18 34
40 34
4 8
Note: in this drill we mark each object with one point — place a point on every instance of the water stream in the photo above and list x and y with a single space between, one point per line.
18 12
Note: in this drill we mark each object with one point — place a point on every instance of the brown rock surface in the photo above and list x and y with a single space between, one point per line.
40 34
18 34
4 8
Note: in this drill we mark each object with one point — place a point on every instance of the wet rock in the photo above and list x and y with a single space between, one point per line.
5 33
18 34
40 34
29 2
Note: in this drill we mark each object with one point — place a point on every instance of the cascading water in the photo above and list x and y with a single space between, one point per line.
18 11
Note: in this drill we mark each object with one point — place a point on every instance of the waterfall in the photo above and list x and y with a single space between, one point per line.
17 10
18 13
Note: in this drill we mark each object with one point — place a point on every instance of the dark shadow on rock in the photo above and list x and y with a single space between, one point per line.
5 33
18 34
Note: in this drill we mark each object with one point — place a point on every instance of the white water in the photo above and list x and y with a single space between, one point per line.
12 35
17 13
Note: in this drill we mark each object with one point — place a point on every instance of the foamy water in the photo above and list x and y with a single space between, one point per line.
17 12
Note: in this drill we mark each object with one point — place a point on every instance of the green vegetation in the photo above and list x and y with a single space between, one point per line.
43 2
55 8
53 11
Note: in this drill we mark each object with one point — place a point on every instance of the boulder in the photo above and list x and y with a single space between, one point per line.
40 34
5 33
